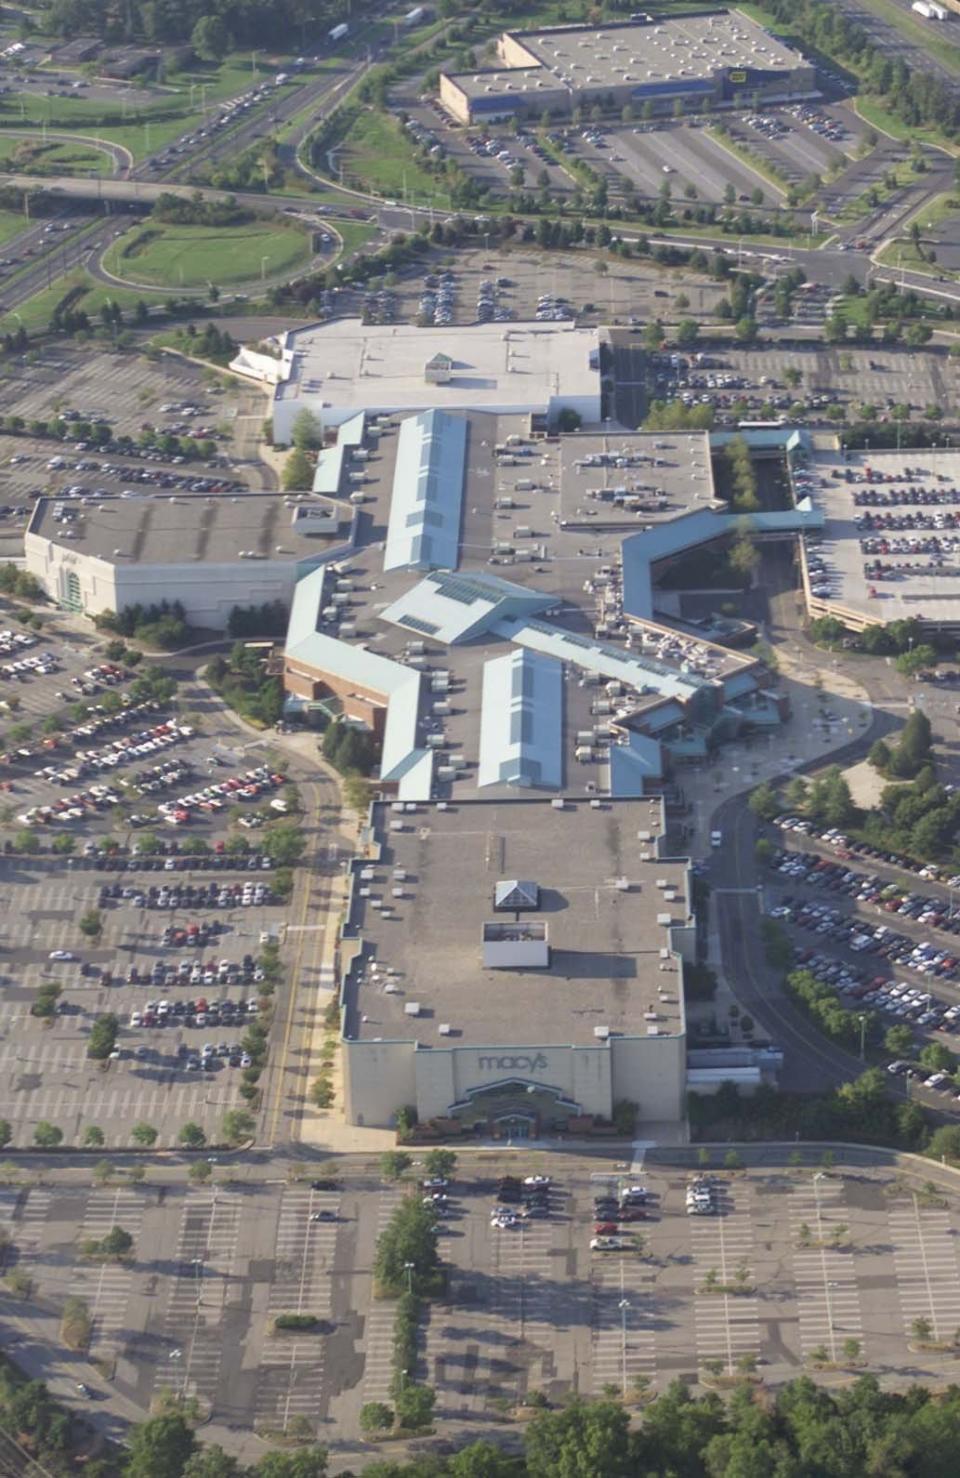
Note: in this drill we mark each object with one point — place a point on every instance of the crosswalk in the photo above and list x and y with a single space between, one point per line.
828 1299
378 1325
105 1286
727 1322
292 1368
198 1293
925 1255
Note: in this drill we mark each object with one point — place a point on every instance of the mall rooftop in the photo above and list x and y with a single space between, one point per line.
607 909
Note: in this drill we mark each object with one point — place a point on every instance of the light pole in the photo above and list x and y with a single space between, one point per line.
861 1017
408 1269
623 1306
263 268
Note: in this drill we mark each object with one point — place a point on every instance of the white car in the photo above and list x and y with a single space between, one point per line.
607 1244
61 955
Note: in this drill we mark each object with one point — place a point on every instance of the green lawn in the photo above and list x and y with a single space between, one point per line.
33 156
377 156
189 256
12 222
873 112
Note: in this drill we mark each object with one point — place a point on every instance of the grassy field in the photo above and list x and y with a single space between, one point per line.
190 256
873 112
378 157
12 222
33 156
928 217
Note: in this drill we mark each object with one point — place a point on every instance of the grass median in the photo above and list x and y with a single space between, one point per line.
168 256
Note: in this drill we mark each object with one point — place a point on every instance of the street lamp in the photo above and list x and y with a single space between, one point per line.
408 1269
623 1306
861 1017
263 268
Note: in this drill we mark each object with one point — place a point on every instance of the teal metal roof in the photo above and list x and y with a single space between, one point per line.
457 608
402 760
521 722
330 461
645 673
633 763
424 528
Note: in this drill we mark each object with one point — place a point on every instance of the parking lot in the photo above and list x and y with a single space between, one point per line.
795 1269
128 394
882 378
637 157
519 279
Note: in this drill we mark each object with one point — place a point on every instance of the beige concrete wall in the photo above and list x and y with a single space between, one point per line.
378 1079
454 99
651 1072
512 52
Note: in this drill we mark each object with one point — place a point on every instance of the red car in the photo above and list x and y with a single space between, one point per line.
605 1229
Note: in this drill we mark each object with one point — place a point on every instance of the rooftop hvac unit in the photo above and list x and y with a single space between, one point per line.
602 1033
558 803
623 885
666 919
445 1029
412 1008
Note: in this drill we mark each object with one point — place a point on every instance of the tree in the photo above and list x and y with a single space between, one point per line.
921 1329
6 1133
159 1448
920 659
143 1134
92 1137
945 1143
763 802
192 1137
743 556
375 1416
237 1126
584 1440
393 1163
117 1243
200 1172
415 1406
440 1163
687 333
212 1462
898 1040
91 923
284 844
47 1136
210 39
297 472
306 1462
307 431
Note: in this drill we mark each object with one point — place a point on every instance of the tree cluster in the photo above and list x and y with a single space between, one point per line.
350 750
912 752
408 1238
242 683
199 210
163 624
743 478
213 343
269 619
